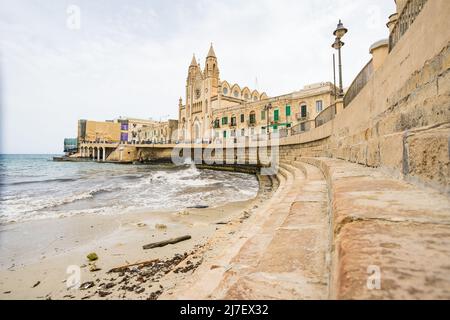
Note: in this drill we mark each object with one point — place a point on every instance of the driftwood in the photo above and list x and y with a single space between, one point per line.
198 207
139 264
166 242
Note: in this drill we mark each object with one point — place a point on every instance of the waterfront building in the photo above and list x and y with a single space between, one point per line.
130 128
287 114
158 132
217 110
98 131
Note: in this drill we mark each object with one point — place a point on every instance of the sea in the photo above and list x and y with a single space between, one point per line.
35 187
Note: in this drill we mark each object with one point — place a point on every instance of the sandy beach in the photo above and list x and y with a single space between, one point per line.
56 249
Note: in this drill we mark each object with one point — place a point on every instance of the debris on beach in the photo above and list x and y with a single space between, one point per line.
93 267
103 294
36 284
184 213
87 285
155 295
159 226
166 242
144 278
141 225
222 222
198 207
92 256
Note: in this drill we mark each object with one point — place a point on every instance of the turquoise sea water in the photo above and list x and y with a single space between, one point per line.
35 187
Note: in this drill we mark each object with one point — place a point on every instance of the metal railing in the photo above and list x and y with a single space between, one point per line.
301 128
326 115
359 83
405 19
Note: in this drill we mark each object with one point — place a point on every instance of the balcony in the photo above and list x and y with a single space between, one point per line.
251 123
302 117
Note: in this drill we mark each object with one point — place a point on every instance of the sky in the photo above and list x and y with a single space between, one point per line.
61 61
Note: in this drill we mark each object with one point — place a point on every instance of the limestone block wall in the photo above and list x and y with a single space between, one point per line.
129 153
400 121
153 154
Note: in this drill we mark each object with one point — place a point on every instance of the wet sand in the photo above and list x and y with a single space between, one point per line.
38 258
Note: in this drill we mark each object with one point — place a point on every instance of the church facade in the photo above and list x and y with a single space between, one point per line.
215 110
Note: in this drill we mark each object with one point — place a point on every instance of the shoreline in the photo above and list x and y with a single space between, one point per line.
39 271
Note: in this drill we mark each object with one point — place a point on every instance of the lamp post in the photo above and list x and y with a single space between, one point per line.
339 33
267 108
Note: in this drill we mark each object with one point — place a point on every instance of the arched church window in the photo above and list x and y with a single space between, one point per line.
236 93
225 91
246 96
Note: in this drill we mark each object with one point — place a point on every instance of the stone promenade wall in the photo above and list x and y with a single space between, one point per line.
400 121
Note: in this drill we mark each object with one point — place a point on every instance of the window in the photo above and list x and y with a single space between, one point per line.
225 91
233 133
263 115
303 111
233 121
288 111
252 131
255 98
319 106
224 120
216 123
224 134
242 132
246 96
242 118
276 115
252 118
236 93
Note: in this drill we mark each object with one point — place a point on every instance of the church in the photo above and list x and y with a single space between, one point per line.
215 110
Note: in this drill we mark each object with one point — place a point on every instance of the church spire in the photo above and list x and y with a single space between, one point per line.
211 53
194 61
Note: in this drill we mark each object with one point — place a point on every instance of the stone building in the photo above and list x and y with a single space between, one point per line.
98 131
158 132
130 128
216 109
256 119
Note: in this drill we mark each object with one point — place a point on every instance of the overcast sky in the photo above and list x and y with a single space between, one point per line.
130 58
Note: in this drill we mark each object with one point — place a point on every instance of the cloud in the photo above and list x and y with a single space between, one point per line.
131 58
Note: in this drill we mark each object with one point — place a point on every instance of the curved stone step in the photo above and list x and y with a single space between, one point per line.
287 258
391 238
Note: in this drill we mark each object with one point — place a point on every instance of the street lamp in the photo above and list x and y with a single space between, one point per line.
267 108
339 33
